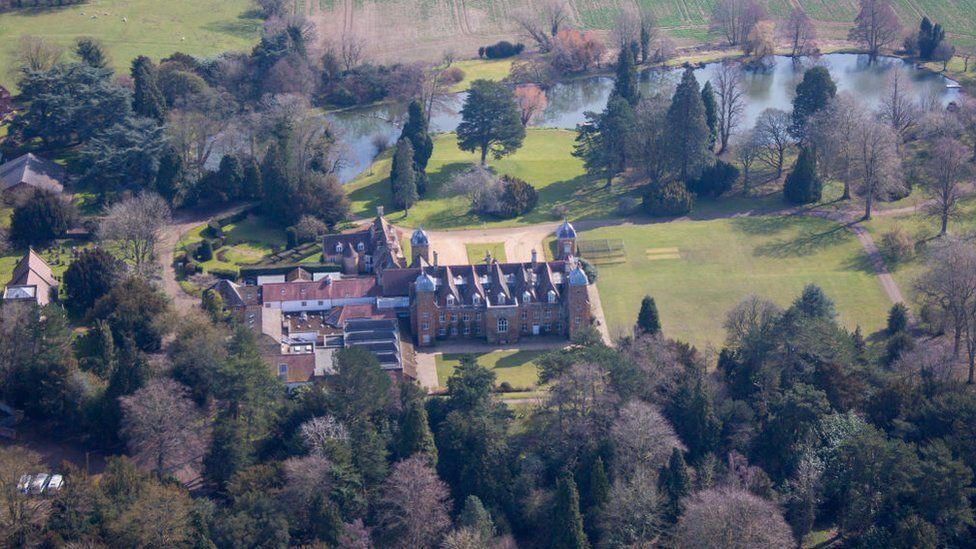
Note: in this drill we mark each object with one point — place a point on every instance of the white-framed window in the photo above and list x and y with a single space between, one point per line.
454 330
360 247
501 298
526 297
424 326
425 316
304 303
321 303
466 317
502 325
442 332
525 314
547 313
547 327
476 300
525 327
338 248
552 296
440 317
467 330
477 329
450 301
477 316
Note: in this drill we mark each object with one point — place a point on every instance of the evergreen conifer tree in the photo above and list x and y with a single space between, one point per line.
803 185
648 321
415 435
711 112
475 517
147 100
814 303
625 85
403 178
675 483
417 132
813 93
687 129
567 522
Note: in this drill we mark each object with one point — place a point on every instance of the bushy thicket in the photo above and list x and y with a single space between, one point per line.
715 180
501 50
668 200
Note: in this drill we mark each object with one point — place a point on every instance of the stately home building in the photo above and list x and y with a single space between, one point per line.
374 300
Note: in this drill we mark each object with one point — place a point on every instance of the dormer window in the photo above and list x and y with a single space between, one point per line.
526 297
552 296
501 298
450 301
476 300
360 247
338 248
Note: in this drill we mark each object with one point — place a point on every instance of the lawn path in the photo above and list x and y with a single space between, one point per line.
182 223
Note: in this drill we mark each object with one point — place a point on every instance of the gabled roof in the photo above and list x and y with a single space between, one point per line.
32 171
343 288
31 270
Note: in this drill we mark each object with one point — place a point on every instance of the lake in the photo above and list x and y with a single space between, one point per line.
363 131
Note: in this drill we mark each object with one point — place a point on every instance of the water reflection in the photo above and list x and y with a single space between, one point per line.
363 131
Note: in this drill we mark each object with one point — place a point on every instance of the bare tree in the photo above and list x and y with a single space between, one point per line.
627 27
531 101
733 19
319 434
162 426
642 438
652 138
761 42
898 107
876 27
877 164
20 514
747 149
949 286
772 131
306 479
634 514
160 516
832 132
800 32
930 360
36 54
555 14
945 170
133 227
543 22
351 50
658 364
725 517
731 97
749 325
413 506
198 125
966 114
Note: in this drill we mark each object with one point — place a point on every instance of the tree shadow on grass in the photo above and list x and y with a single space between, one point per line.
243 27
520 358
804 244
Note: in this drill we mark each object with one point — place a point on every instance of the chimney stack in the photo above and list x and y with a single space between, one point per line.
435 258
379 211
535 257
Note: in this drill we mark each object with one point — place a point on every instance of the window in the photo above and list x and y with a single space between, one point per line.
502 325
548 313
577 321
267 305
535 314
283 371
552 296
441 332
467 330
304 303
466 317
338 248
547 327
477 329
477 316
440 317
476 300
525 314
559 326
453 317
525 327
424 326
450 301
501 298
454 330
360 247
321 303
526 297
425 316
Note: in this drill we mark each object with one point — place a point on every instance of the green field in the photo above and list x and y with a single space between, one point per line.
246 243
516 367
476 252
544 161
697 270
155 28
480 69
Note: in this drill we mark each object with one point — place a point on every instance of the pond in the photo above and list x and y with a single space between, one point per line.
364 131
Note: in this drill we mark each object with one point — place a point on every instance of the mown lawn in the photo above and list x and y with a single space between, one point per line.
481 69
516 367
247 242
698 270
923 229
544 161
476 252
155 28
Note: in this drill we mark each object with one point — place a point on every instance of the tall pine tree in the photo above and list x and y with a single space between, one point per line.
803 185
675 483
711 112
625 85
813 93
687 129
417 132
605 142
403 178
648 321
147 100
415 435
567 522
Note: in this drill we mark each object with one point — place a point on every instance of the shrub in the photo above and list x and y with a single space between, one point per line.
715 180
501 50
213 230
91 276
897 345
505 387
452 75
897 318
518 197
291 238
40 218
205 250
897 245
589 269
226 274
668 200
191 268
803 185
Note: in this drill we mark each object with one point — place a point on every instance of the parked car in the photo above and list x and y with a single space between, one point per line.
40 483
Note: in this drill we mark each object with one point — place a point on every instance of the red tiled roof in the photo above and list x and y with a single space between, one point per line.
301 367
321 289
